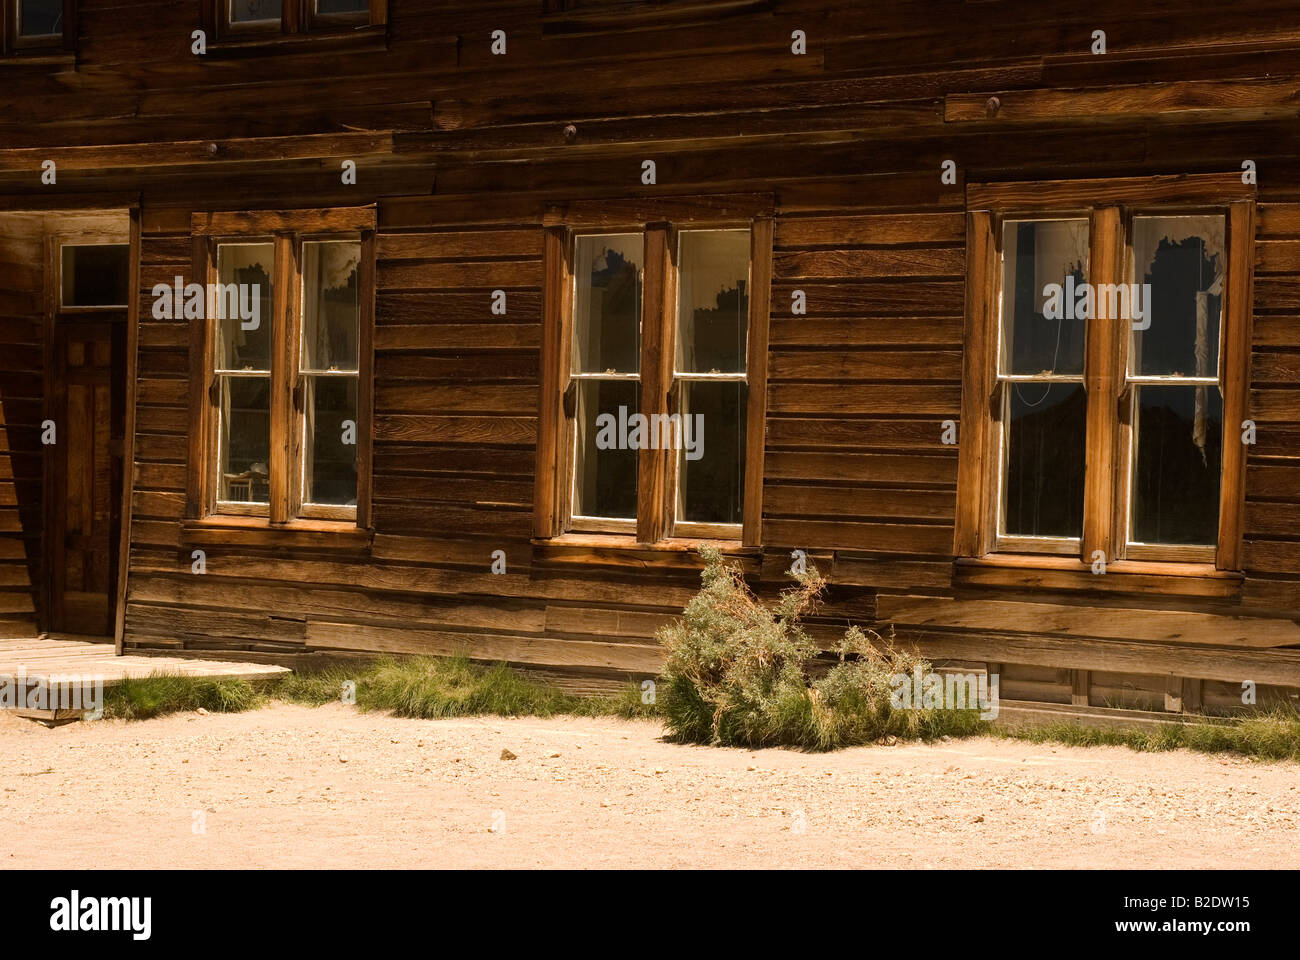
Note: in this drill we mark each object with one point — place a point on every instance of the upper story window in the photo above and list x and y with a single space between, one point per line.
38 25
235 19
1106 373
286 363
660 333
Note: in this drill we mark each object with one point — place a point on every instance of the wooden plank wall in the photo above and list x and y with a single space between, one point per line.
848 138
860 386
455 416
1272 549
22 259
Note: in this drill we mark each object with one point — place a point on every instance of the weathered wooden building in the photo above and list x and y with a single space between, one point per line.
992 308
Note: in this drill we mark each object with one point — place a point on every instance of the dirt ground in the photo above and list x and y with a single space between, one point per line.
293 786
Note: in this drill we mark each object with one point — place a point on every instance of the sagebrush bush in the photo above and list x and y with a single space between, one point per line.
736 673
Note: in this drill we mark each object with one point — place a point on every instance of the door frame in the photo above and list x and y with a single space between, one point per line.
56 235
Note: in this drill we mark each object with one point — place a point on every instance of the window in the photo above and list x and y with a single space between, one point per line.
286 412
656 373
35 26
95 275
250 18
1106 371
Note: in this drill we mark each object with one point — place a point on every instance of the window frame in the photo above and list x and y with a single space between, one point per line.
297 17
1110 206
1024 543
659 223
288 231
68 309
12 43
580 523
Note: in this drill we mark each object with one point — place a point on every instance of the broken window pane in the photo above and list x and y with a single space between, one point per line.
330 308
254 11
1043 492
711 455
330 457
245 439
1177 469
1181 261
607 303
605 465
712 301
40 18
1044 266
96 275
243 303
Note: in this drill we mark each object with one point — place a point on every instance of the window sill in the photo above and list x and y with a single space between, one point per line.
228 531
1034 572
623 551
631 15
39 56
355 39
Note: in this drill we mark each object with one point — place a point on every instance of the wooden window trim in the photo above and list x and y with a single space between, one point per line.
625 551
1071 574
36 48
223 531
1110 204
299 22
656 475
288 230
564 16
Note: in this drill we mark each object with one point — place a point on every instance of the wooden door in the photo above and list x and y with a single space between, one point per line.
87 352
88 474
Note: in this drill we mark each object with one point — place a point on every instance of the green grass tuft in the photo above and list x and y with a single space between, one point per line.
429 687
161 693
315 687
1269 736
766 700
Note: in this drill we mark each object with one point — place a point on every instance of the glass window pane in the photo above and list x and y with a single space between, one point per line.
245 440
40 18
254 11
1180 261
342 6
607 303
1043 492
96 275
243 304
1044 265
330 306
330 457
711 482
1177 470
712 300
604 471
